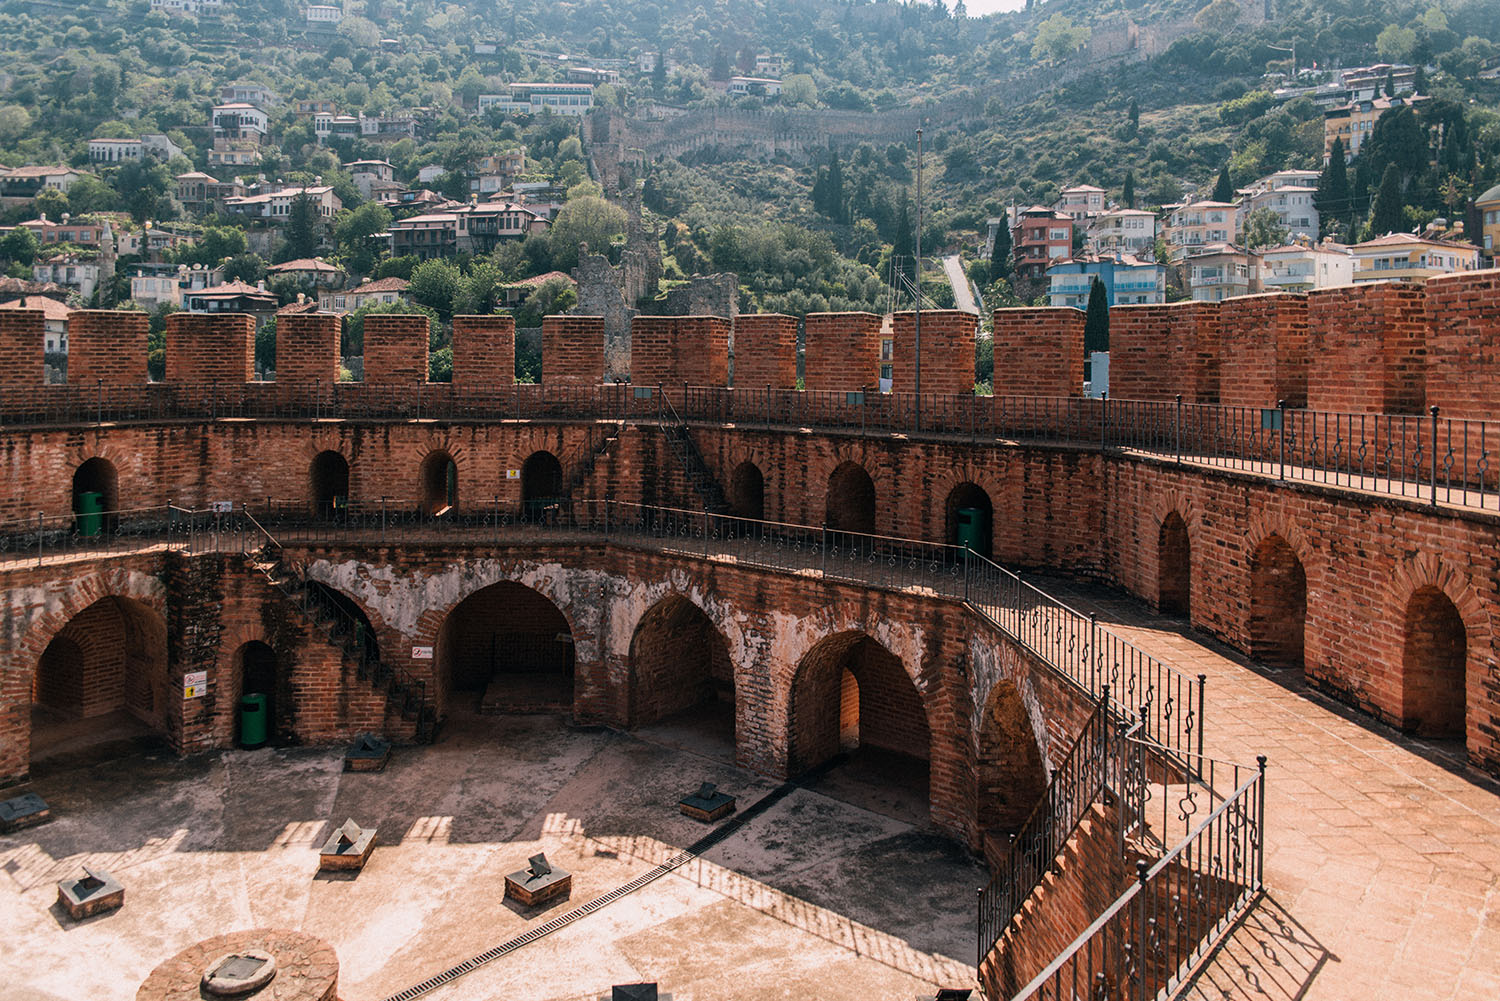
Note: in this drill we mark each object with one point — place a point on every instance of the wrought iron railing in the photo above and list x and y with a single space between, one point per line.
1184 896
1421 456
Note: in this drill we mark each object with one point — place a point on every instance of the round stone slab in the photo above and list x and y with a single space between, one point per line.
306 968
239 973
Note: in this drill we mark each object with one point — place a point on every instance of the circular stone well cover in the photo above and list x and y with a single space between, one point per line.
239 972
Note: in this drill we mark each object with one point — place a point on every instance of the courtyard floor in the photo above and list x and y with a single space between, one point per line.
838 890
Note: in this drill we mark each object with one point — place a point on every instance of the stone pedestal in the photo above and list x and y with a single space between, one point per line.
368 753
25 810
306 967
708 804
348 848
538 883
96 892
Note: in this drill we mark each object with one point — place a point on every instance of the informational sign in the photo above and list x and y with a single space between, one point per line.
512 474
194 684
421 653
221 507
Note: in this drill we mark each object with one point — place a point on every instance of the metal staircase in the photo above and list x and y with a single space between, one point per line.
691 461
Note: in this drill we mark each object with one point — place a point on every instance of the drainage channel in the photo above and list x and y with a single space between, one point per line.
703 844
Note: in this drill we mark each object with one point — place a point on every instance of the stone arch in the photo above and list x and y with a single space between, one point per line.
328 482
507 644
890 712
966 494
97 475
1445 637
1278 604
541 482
438 482
679 662
1174 566
258 670
1009 773
747 491
850 504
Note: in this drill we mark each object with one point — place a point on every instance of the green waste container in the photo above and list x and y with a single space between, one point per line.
253 722
972 528
90 513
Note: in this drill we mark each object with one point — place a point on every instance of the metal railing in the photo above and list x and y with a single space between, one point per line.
1421 456
1182 899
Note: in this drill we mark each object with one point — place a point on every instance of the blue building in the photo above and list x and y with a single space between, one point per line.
1127 280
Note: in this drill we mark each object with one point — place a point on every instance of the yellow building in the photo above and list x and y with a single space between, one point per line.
1488 205
1404 257
1354 122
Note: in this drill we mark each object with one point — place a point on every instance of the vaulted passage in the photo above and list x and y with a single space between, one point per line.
505 648
852 695
102 676
851 499
257 673
330 483
747 491
1432 667
541 483
968 518
1278 604
679 664
439 484
1009 766
1174 567
96 496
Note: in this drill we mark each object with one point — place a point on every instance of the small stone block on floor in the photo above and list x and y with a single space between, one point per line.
93 893
634 992
538 883
368 753
708 804
25 810
348 848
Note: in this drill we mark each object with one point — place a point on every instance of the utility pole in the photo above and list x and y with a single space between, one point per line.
917 298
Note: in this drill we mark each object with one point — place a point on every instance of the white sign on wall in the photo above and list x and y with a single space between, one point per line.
421 653
194 684
512 474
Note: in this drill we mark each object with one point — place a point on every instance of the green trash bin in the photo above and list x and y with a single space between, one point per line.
253 722
90 513
972 528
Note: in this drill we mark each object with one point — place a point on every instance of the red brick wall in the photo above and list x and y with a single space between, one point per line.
1463 346
573 350
307 349
841 352
108 345
23 342
1038 352
204 349
1158 352
1367 345
1262 350
947 352
765 351
484 352
667 350
395 349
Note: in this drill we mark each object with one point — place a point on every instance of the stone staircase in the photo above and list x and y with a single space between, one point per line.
599 446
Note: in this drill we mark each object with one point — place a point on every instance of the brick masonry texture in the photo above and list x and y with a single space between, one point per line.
572 350
1038 352
1159 352
395 349
484 352
1262 351
841 352
108 346
665 350
765 351
210 349
307 349
947 352
1463 344
1369 345
22 345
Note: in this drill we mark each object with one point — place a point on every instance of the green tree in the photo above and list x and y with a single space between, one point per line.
478 291
434 284
659 74
1224 187
1127 194
1096 321
1263 228
1332 197
19 246
1000 252
51 203
588 221
1219 17
1388 214
247 268
1057 38
1395 43
352 231
303 227
799 88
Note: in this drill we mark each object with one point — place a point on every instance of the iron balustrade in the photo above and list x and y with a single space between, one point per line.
1183 897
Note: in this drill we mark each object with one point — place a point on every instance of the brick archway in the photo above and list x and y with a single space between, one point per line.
851 499
1008 769
1174 567
679 661
1442 629
747 491
1277 626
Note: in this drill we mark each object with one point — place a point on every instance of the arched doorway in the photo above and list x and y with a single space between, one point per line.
505 648
747 492
541 483
968 517
330 484
1174 567
1278 604
1433 666
102 677
851 499
96 496
255 668
439 483
1008 768
852 695
679 664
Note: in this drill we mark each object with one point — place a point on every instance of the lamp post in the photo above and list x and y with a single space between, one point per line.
917 295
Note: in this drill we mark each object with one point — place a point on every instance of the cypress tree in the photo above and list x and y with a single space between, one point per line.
1128 194
1000 252
1332 197
1096 322
1388 214
1224 187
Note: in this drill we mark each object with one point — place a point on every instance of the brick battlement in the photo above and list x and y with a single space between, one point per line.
765 351
307 348
108 346
1038 352
572 350
210 348
842 352
395 349
484 352
665 350
947 352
